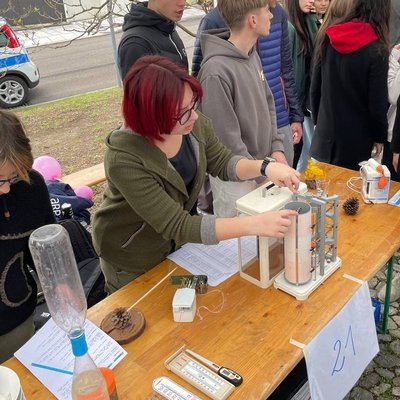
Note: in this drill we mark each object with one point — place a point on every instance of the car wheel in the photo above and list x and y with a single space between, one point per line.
13 91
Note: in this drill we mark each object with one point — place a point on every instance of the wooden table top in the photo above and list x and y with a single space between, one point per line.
251 334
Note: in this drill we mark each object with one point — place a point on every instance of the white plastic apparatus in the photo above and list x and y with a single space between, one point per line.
266 258
306 257
375 182
184 305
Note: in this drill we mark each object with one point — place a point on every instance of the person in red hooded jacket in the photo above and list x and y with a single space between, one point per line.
349 94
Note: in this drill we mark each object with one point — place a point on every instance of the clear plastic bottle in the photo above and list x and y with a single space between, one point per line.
62 287
59 277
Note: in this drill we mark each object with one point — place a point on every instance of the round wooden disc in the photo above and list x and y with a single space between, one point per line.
125 335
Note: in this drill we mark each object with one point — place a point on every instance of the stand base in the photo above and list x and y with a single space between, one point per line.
301 292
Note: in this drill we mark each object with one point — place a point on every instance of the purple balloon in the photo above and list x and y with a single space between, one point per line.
48 167
84 191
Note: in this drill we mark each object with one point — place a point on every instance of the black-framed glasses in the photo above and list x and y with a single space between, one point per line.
185 116
10 181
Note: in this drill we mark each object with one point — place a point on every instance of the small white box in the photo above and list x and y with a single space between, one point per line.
184 305
370 191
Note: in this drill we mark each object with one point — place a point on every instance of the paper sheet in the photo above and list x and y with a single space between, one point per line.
218 262
48 355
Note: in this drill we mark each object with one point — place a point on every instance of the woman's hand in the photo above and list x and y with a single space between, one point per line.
272 223
283 175
377 149
297 131
395 161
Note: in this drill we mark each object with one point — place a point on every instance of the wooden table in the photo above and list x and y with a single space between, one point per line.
251 334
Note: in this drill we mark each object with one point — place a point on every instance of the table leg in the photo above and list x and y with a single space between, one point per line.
385 317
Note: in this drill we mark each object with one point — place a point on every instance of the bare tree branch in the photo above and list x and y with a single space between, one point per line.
87 18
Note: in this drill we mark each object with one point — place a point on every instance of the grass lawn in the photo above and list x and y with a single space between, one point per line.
73 130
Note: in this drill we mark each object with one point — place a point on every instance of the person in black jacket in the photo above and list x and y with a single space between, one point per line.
149 28
24 206
395 143
349 91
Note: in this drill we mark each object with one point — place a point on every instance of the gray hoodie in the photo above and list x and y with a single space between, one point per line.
237 98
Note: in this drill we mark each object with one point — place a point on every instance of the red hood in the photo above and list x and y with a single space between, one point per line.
350 36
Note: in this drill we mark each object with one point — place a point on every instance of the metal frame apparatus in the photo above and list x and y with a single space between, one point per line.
324 231
324 260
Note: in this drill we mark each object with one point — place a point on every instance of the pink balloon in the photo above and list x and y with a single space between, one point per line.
84 191
48 167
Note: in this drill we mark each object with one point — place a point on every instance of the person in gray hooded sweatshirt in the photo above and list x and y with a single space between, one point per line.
236 95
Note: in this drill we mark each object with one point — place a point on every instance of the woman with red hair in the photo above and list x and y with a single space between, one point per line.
155 167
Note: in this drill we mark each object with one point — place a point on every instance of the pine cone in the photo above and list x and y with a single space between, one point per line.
121 318
350 206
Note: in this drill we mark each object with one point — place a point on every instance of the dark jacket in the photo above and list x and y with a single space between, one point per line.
61 193
349 95
146 32
302 62
29 208
276 60
212 20
277 63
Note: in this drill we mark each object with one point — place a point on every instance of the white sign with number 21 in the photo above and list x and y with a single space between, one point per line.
339 354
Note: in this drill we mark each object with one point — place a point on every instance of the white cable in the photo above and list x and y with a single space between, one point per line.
217 309
350 184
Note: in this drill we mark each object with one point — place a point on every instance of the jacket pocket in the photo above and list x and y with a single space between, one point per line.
130 239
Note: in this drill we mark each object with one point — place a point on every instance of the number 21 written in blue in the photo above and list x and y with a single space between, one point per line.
338 348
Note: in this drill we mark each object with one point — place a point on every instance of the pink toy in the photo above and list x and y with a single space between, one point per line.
48 167
84 191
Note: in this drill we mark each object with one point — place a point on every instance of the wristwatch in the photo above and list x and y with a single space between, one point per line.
264 165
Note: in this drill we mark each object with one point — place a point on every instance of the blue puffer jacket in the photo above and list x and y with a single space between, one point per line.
212 20
276 60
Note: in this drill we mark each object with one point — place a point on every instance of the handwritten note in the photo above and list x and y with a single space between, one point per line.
49 357
337 357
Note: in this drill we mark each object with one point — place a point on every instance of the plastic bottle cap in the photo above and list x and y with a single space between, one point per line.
109 377
78 343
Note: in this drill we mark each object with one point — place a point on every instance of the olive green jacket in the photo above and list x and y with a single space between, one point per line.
146 206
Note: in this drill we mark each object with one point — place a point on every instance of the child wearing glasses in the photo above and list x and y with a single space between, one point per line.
155 167
24 206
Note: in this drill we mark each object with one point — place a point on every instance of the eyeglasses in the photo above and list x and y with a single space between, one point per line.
10 181
185 116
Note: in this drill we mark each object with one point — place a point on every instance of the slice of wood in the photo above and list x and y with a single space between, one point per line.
129 333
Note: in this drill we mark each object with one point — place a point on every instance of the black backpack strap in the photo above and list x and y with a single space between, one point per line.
93 281
81 240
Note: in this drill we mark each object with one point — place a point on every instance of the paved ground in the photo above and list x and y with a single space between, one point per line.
381 379
71 67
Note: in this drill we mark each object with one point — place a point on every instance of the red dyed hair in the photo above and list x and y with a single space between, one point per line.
153 94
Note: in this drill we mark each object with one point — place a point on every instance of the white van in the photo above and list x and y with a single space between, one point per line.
18 74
